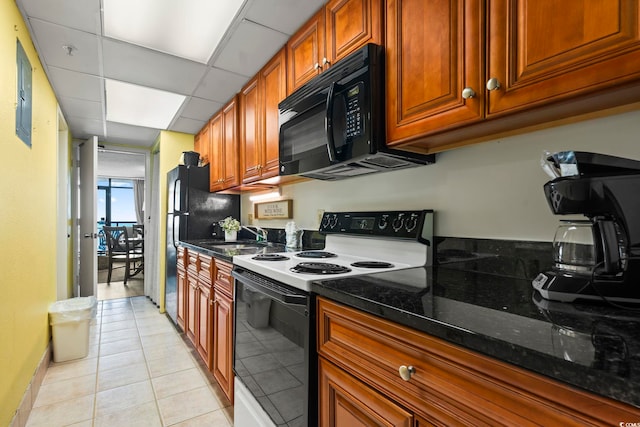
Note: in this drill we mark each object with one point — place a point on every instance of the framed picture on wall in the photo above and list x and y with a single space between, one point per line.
282 209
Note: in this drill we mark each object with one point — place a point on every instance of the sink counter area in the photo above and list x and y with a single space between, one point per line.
227 250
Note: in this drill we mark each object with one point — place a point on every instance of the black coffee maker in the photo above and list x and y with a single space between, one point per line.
597 258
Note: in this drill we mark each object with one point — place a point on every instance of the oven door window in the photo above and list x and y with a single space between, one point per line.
271 350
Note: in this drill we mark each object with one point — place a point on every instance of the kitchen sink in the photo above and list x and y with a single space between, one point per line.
238 246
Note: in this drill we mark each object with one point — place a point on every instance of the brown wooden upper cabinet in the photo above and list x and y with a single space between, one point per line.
259 131
202 141
338 29
223 150
543 51
535 53
433 52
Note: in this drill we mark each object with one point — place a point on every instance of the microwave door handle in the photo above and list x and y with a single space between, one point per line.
328 124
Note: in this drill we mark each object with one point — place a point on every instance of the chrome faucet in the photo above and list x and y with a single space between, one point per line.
261 235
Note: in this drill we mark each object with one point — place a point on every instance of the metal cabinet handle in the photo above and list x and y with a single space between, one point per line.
406 372
467 93
316 66
493 84
325 61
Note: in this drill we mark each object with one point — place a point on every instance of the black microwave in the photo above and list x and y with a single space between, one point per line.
333 127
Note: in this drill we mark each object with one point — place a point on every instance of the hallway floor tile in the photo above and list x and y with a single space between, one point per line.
139 372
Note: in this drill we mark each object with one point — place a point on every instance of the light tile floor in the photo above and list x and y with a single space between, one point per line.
139 372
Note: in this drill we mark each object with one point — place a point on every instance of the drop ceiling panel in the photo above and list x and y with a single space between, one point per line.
283 15
149 68
200 109
72 84
259 29
187 28
82 15
85 128
220 85
185 125
122 133
120 165
51 38
81 108
249 48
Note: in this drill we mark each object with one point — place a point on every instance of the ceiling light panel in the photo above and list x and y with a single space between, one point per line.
187 28
139 105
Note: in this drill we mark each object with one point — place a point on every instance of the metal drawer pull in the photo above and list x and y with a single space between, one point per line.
493 84
406 372
468 93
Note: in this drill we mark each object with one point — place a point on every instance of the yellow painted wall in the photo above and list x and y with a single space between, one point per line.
27 219
170 146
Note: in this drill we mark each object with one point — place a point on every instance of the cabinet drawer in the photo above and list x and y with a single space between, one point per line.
450 382
192 262
206 267
223 280
181 257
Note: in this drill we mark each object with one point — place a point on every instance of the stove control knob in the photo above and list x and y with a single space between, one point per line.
325 221
398 223
383 223
333 221
411 223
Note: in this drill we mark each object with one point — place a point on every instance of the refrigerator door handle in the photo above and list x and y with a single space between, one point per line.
187 206
176 231
176 186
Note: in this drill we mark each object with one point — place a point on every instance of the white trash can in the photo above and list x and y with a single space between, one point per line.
69 321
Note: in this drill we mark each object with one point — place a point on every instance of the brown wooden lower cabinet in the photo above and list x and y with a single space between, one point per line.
223 329
205 323
191 308
360 384
345 401
205 299
223 343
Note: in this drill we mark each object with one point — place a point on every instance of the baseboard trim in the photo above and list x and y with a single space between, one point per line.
24 410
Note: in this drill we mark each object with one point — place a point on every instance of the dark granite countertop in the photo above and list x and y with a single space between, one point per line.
589 346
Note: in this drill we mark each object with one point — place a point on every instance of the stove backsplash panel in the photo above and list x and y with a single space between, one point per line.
311 239
509 258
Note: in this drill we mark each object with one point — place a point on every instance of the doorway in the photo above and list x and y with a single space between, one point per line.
120 203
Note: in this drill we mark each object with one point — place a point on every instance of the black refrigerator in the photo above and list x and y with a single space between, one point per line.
191 212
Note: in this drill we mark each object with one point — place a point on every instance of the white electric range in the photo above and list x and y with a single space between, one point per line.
343 256
274 350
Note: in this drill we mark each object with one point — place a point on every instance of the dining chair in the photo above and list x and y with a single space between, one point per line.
120 248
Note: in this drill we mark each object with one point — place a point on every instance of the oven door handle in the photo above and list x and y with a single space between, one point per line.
273 290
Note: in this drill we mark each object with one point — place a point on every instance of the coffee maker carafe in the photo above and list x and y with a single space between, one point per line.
597 258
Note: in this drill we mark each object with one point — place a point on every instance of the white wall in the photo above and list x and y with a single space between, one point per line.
488 190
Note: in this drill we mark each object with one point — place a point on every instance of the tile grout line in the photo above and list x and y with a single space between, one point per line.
95 392
146 364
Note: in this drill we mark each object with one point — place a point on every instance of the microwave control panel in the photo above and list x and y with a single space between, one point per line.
355 124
